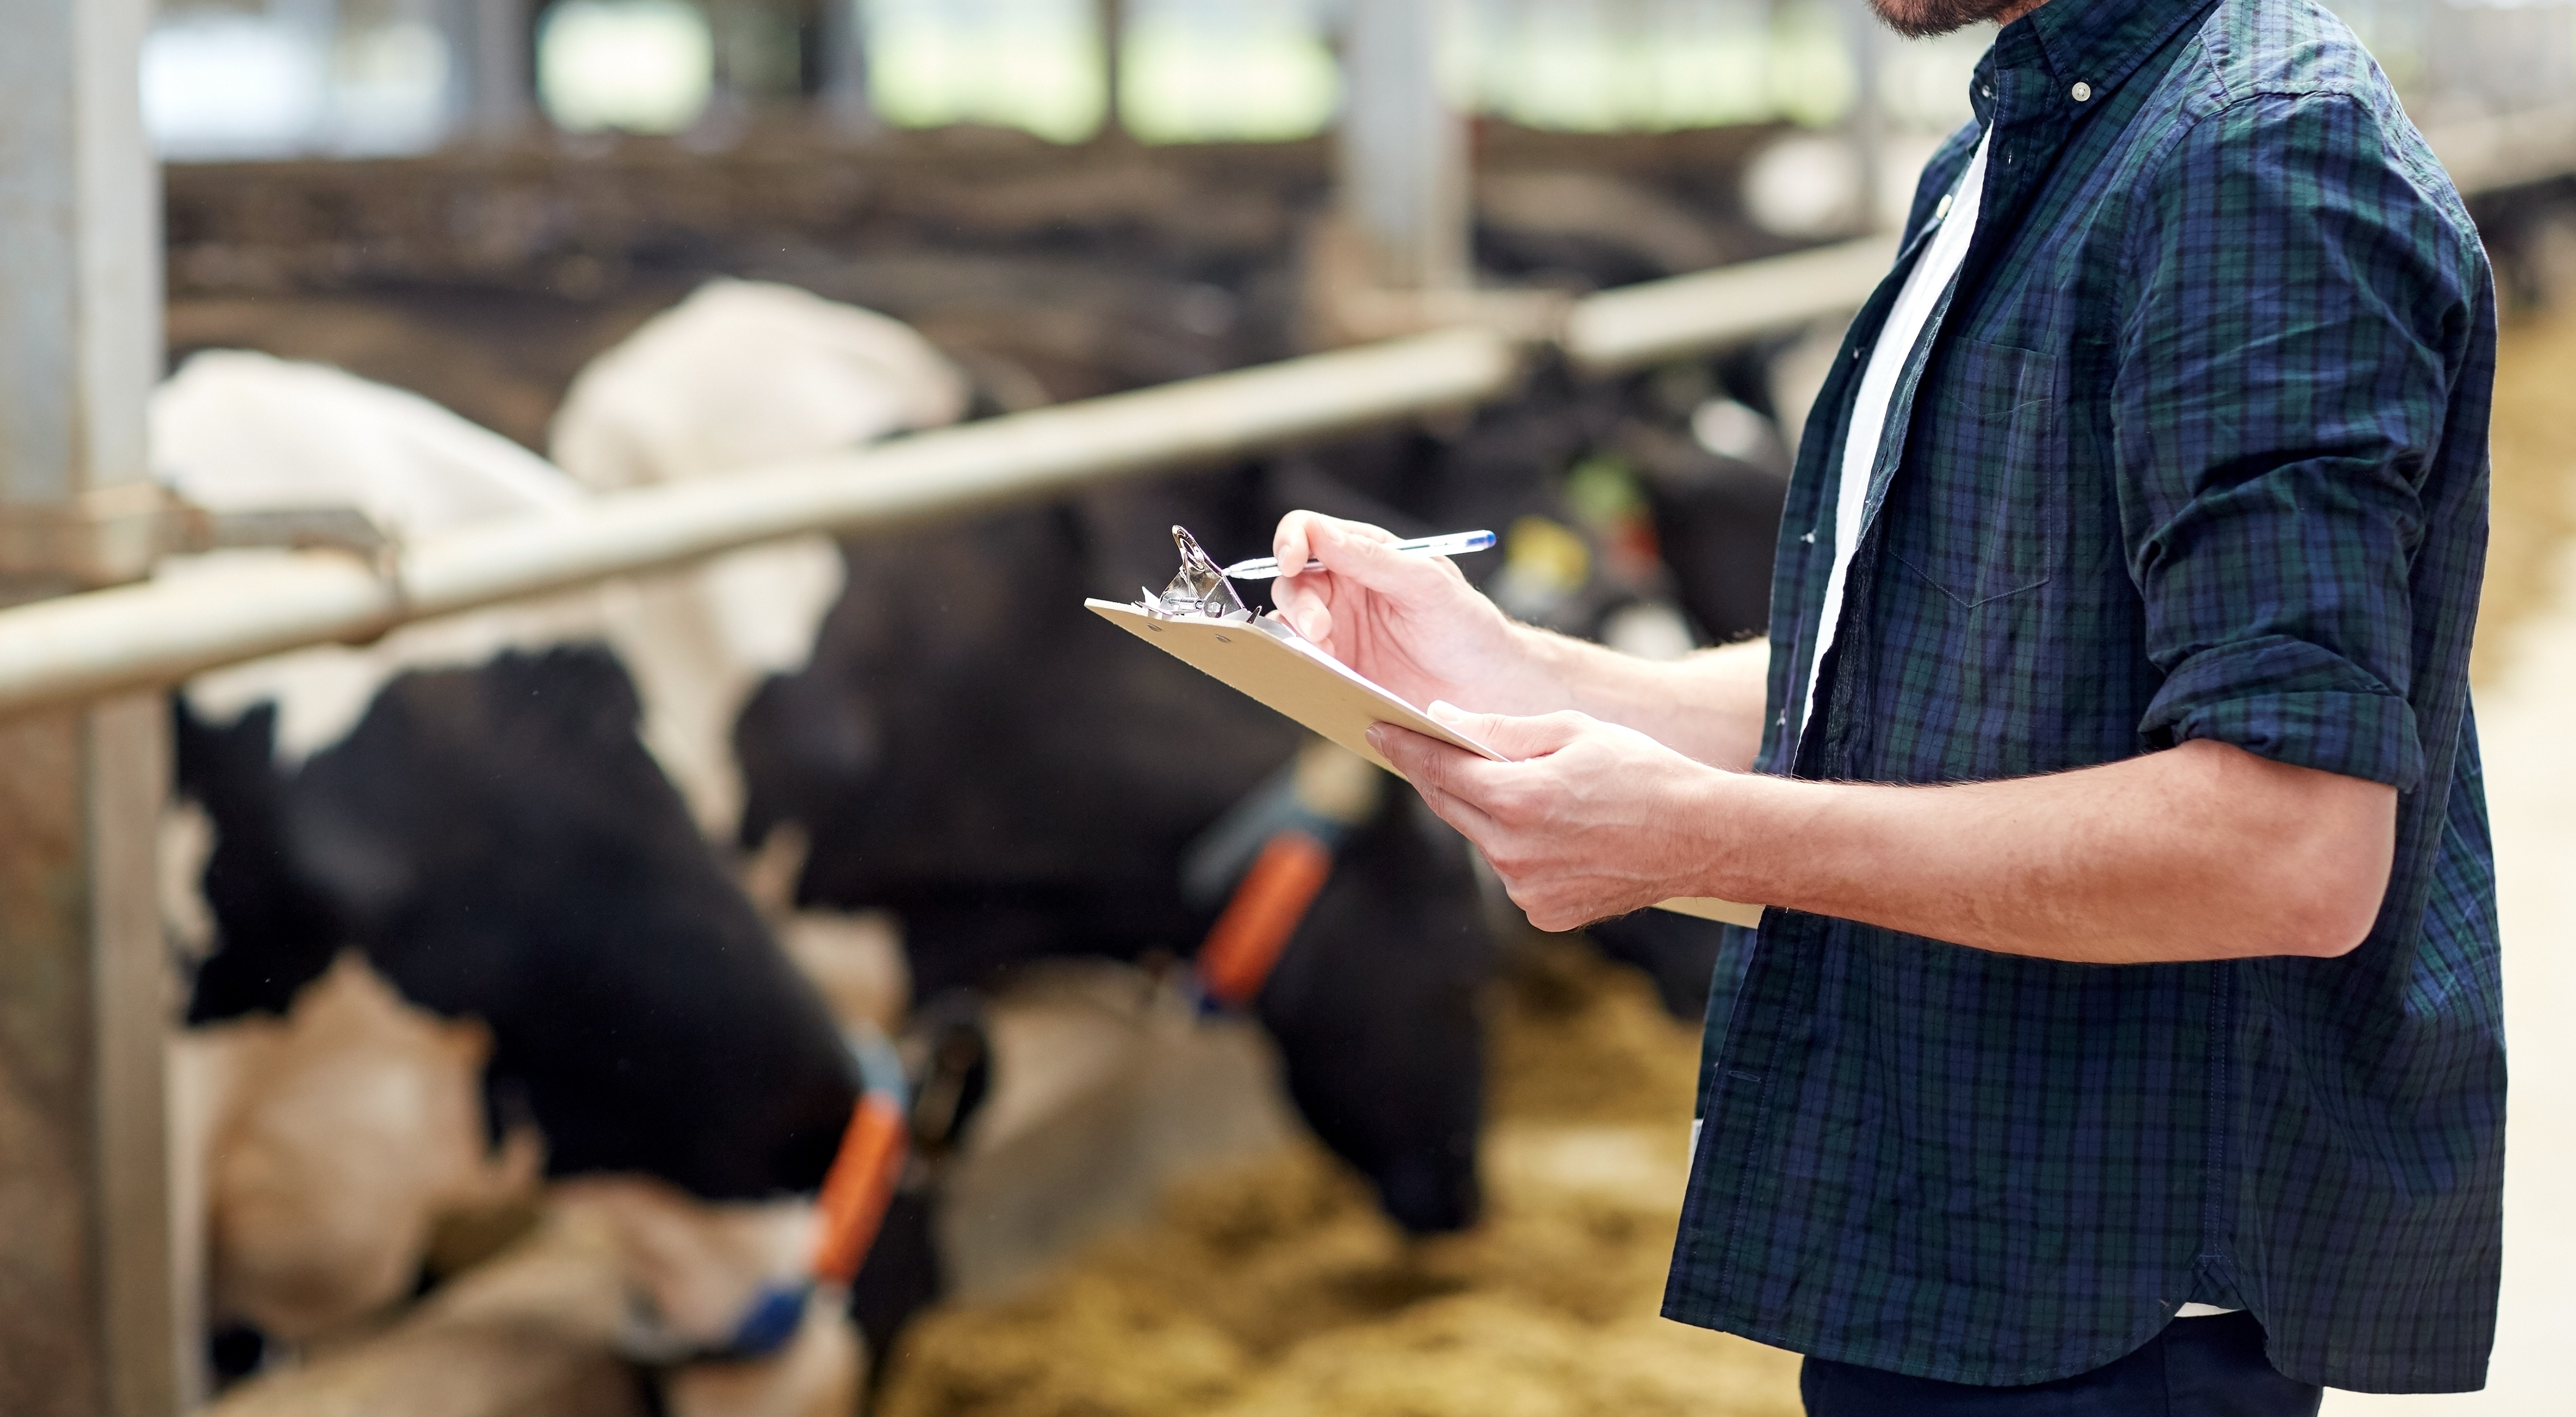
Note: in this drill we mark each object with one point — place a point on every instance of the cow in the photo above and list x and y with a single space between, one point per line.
472 807
498 843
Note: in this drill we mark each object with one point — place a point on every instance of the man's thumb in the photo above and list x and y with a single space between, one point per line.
1514 738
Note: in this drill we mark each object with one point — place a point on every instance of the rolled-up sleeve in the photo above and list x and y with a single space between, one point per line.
2281 392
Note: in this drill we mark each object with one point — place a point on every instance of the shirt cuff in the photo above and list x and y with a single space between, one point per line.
2291 702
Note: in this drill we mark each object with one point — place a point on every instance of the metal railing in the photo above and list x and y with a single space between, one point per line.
155 632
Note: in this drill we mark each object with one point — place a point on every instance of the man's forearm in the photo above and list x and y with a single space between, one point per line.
2201 852
1707 705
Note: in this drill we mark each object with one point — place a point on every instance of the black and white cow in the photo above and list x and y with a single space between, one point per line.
497 842
474 808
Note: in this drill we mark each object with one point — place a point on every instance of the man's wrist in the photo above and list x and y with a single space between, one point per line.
1547 672
1735 829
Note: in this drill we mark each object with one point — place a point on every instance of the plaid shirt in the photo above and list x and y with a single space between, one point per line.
2199 451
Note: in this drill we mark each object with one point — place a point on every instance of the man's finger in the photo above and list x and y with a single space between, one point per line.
1518 739
1293 543
1472 821
1414 755
1303 598
1306 609
1366 554
1312 535
1428 762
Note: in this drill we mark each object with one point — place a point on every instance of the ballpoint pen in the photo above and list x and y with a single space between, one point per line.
1456 543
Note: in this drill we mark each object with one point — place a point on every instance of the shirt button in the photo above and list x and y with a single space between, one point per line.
2082 92
1988 91
1942 210
1809 538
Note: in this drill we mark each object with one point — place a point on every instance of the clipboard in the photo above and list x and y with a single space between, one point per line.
1259 656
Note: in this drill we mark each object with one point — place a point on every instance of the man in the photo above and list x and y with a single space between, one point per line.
2123 1034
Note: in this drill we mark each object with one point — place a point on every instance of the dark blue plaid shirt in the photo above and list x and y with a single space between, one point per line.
2199 451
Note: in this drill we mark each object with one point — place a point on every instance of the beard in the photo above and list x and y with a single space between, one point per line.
1923 19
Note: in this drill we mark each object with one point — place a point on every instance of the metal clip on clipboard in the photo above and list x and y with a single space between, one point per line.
1198 588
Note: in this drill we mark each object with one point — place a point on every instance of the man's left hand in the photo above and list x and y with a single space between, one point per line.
1587 821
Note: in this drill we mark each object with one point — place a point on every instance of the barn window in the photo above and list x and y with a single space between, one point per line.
1032 64
1242 71
643 66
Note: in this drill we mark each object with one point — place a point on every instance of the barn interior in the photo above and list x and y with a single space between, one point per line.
571 251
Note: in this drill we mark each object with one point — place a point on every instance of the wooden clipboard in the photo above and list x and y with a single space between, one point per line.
1266 660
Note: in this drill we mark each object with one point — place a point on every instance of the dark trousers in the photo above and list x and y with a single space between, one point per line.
2204 1367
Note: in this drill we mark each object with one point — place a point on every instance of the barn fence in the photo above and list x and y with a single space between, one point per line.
84 646
152 632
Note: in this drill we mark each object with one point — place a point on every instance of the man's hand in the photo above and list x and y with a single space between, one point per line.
1405 620
1589 820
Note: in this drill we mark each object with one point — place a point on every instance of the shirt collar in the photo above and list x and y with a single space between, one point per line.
2098 43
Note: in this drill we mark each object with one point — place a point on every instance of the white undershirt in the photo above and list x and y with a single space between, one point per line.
1907 325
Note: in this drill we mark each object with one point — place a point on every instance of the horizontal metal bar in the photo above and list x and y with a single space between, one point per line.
1693 314
1024 456
80 646
154 632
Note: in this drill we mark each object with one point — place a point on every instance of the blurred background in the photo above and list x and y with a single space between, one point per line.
604 154
377 78
487 203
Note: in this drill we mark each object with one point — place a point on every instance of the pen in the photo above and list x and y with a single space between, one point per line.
1456 543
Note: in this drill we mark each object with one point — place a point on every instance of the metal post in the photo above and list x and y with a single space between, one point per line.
1403 152
493 46
1868 41
85 1301
843 72
1113 59
317 24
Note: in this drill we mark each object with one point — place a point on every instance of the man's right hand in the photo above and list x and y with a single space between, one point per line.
1408 621
1411 623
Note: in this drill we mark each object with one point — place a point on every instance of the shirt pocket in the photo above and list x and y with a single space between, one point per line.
1984 514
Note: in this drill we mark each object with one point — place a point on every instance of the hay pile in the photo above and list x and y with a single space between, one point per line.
1277 1289
2534 508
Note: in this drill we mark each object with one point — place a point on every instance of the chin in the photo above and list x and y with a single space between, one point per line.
1923 19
